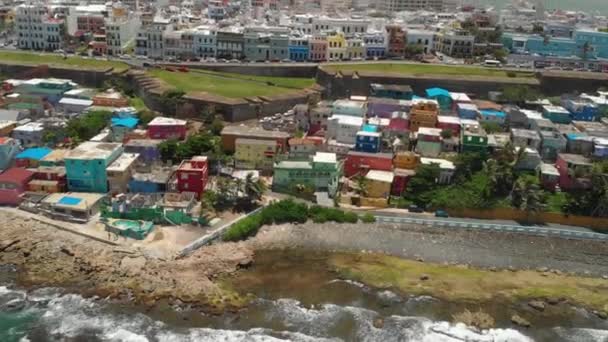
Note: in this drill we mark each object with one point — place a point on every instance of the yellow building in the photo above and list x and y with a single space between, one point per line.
406 160
255 154
423 114
336 46
120 171
6 127
379 183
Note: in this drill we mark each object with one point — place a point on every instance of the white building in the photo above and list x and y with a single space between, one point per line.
422 38
36 29
203 42
343 128
390 6
348 26
149 41
120 32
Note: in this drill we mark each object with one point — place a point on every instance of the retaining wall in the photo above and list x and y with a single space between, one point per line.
86 77
308 70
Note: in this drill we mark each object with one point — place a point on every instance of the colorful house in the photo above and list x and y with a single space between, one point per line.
467 111
55 158
336 46
167 128
423 114
452 123
490 115
552 143
368 141
406 160
473 138
549 176
146 148
384 107
349 108
71 206
155 181
379 183
429 142
13 183
557 114
120 171
48 179
360 162
86 166
31 157
446 169
304 148
255 154
391 91
192 175
9 148
399 125
121 126
110 98
574 171
343 128
581 109
322 173
440 95
231 133
525 138
400 181
30 134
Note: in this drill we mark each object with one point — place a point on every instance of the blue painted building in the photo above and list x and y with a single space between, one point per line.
31 157
467 111
9 148
440 95
557 114
491 115
155 181
368 142
298 49
86 166
121 126
581 109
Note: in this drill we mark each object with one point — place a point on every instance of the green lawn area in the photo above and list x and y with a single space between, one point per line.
231 85
137 103
556 202
424 69
56 60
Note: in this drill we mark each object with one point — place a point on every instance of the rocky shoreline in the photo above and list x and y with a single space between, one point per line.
46 256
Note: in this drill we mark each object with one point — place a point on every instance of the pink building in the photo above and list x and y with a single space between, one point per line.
192 175
167 128
402 177
13 183
399 123
449 122
318 49
574 171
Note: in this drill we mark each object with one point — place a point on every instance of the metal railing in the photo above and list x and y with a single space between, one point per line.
530 230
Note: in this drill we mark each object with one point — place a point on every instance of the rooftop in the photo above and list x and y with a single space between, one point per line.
371 155
192 163
460 97
429 131
548 169
324 157
448 119
123 162
253 132
143 142
30 127
125 122
35 153
574 159
380 176
164 121
369 134
526 133
245 141
555 109
442 163
72 101
492 112
93 150
80 201
347 119
290 164
16 175
433 92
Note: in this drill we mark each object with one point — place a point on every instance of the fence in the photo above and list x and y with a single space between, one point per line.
538 231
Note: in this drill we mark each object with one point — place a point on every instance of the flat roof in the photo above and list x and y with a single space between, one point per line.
347 119
556 109
164 121
448 119
30 127
527 133
369 134
143 142
380 176
80 201
443 164
123 162
246 141
429 131
35 153
368 154
324 157
467 106
16 175
460 97
292 164
93 150
574 158
253 132
73 101
548 169
125 122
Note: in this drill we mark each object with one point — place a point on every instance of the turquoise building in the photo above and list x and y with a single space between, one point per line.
86 166
585 44
122 126
322 173
440 95
557 114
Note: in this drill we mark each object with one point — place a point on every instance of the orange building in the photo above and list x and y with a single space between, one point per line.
423 114
110 98
406 160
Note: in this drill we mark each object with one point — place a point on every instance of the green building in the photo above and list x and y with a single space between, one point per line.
322 173
473 139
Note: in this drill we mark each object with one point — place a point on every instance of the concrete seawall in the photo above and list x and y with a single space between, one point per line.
86 77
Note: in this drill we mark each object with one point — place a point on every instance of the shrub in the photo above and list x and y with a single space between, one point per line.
244 228
351 217
511 74
368 218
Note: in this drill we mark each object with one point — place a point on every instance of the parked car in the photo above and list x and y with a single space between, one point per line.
441 213
234 61
412 208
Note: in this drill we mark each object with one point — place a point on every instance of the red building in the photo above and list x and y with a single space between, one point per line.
192 175
167 128
396 41
49 179
402 177
449 122
574 171
360 162
13 183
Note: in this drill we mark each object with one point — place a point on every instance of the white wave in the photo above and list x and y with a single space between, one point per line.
582 334
253 335
348 281
5 291
122 335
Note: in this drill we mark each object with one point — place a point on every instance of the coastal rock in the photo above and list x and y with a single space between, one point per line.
605 276
67 250
511 268
133 264
601 314
7 244
537 305
378 323
518 320
553 300
425 277
419 258
542 269
493 269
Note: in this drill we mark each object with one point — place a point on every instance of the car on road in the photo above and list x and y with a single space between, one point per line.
234 61
412 208
441 213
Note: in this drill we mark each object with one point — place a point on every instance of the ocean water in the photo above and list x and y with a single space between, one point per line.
589 6
50 315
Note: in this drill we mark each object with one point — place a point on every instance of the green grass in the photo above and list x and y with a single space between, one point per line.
463 283
556 201
231 85
424 69
56 60
137 103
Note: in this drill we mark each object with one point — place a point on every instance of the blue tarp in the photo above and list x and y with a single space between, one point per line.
434 92
370 128
125 122
35 153
67 200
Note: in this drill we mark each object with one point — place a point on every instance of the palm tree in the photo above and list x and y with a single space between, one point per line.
253 189
528 196
361 185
